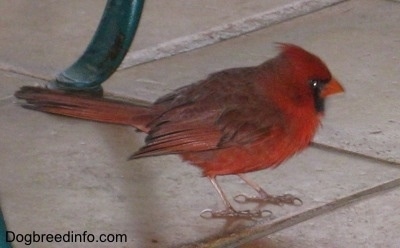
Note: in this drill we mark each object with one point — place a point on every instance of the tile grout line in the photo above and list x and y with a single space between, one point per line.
323 146
341 202
226 31
245 236
6 100
6 68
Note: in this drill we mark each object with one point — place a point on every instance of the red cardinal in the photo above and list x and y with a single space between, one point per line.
235 121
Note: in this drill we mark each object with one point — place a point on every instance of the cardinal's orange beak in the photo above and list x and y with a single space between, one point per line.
332 87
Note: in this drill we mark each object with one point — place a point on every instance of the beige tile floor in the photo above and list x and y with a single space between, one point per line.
60 174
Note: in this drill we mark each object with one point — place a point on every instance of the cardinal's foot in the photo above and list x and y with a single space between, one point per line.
232 213
267 198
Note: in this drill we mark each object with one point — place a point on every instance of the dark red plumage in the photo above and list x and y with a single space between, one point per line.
235 121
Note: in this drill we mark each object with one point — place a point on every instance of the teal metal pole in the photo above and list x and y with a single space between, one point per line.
3 233
107 49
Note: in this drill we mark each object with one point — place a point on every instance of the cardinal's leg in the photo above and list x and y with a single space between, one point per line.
229 211
264 196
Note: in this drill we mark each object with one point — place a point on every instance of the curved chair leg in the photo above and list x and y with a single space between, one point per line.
107 49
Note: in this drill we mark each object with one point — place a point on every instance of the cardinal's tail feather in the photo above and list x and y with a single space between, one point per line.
85 107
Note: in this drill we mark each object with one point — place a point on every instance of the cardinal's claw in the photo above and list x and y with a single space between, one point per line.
290 199
231 213
242 198
276 200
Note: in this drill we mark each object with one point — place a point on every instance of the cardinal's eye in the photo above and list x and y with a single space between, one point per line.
314 83
316 87
318 84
